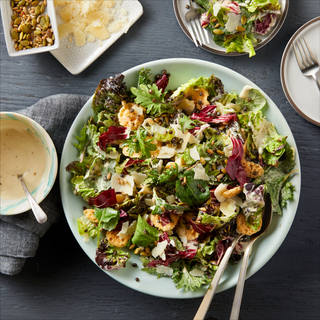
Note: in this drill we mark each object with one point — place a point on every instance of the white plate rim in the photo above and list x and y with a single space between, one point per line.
282 71
279 228
221 51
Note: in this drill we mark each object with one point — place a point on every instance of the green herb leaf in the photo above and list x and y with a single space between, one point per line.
144 234
140 142
108 218
183 279
190 192
161 203
150 97
185 123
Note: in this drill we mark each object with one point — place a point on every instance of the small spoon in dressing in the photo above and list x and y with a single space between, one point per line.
36 209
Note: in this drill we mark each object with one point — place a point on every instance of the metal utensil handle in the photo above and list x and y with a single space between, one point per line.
38 212
205 304
235 311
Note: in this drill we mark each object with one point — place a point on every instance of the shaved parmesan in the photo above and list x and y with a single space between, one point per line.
219 191
244 94
127 230
159 250
124 185
153 127
165 270
194 154
233 22
138 178
171 199
166 152
197 273
228 150
200 173
228 207
216 8
138 110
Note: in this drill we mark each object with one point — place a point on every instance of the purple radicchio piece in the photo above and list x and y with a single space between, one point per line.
109 257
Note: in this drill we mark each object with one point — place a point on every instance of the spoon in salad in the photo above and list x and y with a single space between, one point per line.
206 301
36 209
266 221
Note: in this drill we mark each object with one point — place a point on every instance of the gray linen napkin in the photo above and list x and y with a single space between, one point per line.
20 234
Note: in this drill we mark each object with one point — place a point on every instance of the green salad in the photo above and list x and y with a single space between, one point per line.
236 24
174 175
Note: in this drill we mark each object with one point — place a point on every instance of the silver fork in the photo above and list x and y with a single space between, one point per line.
194 26
308 62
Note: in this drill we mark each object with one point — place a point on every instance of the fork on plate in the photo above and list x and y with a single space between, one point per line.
307 62
193 24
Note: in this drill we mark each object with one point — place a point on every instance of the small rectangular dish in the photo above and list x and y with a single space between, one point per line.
77 58
29 16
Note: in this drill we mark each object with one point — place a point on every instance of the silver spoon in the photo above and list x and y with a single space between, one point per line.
206 301
266 220
36 209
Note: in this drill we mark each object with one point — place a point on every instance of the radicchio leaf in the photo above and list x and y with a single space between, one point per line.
132 162
172 254
112 136
201 228
205 19
162 82
225 118
222 247
105 199
205 115
234 167
264 25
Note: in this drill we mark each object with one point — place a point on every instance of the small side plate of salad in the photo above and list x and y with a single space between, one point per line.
163 166
236 27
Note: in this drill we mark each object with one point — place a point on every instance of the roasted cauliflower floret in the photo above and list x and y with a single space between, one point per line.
131 115
89 213
115 240
195 98
242 226
185 230
155 218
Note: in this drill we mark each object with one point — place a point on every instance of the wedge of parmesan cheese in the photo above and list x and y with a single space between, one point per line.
124 185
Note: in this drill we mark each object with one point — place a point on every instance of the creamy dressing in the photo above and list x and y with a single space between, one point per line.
21 152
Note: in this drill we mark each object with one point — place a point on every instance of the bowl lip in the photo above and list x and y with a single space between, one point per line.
52 148
6 19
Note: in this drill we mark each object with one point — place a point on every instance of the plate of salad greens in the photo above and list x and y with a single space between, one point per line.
165 163
236 27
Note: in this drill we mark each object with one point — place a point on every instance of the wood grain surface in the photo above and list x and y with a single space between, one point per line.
60 282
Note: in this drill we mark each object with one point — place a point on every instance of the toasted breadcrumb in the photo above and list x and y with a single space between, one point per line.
253 170
174 220
129 117
89 213
115 240
183 228
232 192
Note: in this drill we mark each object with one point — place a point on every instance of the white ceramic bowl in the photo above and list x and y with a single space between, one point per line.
19 205
181 70
6 13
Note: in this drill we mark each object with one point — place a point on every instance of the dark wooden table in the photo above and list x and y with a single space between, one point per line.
60 282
